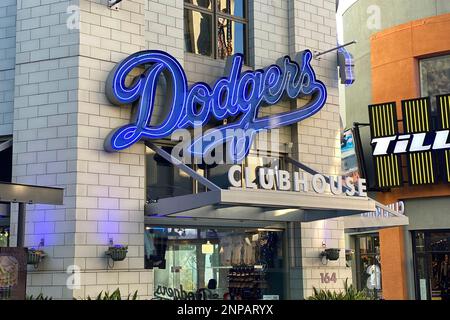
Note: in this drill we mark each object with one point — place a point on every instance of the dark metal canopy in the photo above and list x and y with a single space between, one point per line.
28 194
22 193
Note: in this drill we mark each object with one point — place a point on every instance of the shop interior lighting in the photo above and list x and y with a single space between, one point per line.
207 248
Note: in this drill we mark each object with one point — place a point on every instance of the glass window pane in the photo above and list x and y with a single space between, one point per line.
201 3
420 241
211 263
163 179
363 244
230 37
198 32
440 241
219 175
435 76
422 275
233 7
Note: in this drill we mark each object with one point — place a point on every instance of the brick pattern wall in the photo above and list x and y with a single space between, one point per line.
164 25
8 11
313 26
45 133
110 186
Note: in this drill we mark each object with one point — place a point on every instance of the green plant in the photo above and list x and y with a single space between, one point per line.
117 252
40 296
35 256
113 296
349 293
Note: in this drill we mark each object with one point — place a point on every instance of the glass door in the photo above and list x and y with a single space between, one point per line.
368 264
432 265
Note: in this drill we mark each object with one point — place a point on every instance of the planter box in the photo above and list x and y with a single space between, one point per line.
34 257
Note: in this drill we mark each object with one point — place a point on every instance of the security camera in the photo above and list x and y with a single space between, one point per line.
113 4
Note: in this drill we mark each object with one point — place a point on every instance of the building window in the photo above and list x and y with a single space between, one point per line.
216 28
431 264
163 179
435 77
231 263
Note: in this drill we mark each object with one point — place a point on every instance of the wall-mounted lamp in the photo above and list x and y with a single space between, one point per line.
331 254
114 4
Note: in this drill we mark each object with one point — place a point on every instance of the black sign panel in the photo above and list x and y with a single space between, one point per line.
417 119
383 123
443 103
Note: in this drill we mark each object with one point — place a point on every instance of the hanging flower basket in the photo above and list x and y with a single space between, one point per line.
35 256
117 252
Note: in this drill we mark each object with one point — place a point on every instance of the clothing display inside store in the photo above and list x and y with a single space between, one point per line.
368 264
155 248
243 264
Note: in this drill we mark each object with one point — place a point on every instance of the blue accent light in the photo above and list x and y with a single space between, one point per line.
239 94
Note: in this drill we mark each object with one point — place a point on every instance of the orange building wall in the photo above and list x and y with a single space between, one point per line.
395 55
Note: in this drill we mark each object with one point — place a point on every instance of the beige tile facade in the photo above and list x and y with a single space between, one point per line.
61 117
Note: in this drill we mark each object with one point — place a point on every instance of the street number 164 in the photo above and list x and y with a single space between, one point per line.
326 278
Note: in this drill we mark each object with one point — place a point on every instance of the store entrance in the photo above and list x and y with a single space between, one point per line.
368 264
215 263
432 265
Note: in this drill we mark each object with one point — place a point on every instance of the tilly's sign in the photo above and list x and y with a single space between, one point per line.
424 144
237 97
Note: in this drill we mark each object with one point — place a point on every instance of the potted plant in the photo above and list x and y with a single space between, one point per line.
117 252
35 256
349 293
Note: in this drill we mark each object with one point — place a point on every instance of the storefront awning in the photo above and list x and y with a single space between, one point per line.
251 204
14 192
263 205
375 220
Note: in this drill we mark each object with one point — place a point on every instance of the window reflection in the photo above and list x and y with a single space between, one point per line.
432 264
215 263
233 7
215 28
435 77
202 3
198 32
230 37
164 179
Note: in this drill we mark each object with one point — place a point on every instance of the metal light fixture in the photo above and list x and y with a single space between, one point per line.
114 4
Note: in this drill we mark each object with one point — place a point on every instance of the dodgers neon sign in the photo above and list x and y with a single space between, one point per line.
238 94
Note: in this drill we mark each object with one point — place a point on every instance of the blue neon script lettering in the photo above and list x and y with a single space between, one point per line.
238 94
